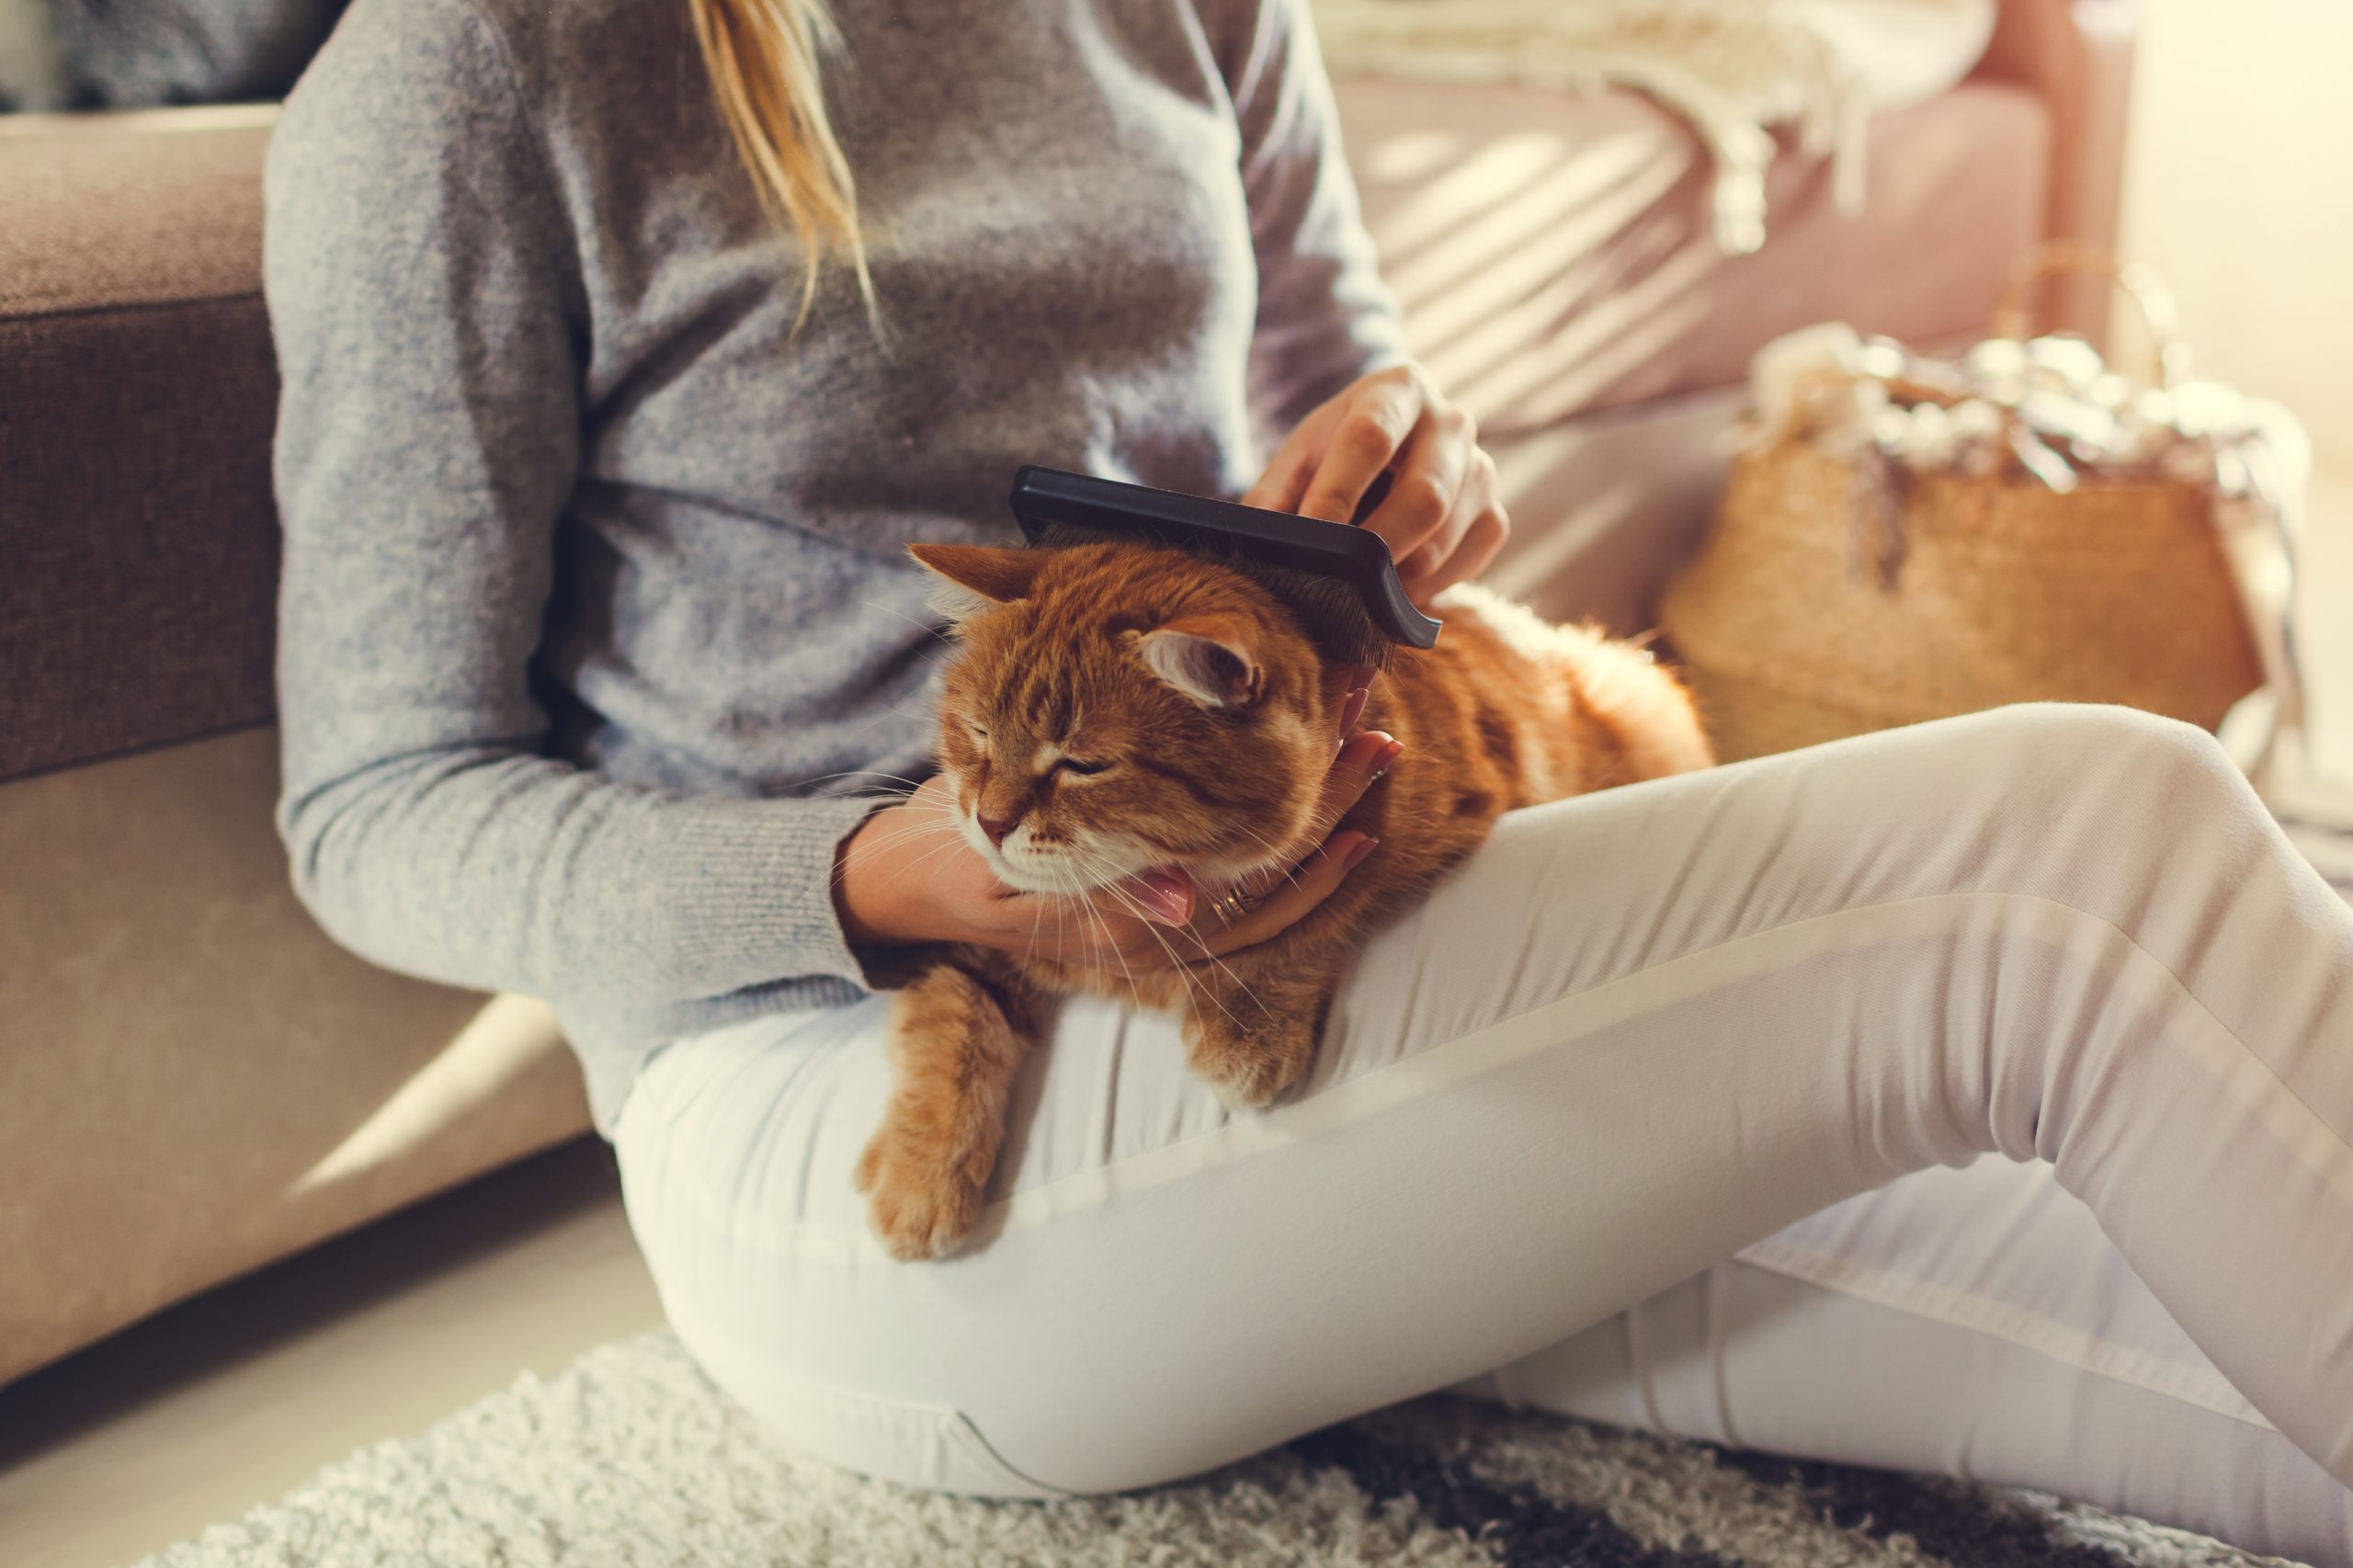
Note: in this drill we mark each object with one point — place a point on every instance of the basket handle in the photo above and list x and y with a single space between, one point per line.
2014 315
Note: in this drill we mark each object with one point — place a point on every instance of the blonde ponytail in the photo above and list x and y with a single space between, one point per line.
763 57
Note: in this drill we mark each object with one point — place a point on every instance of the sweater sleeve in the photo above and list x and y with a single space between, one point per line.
422 290
1324 315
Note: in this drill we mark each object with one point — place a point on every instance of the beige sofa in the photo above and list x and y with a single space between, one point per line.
194 1081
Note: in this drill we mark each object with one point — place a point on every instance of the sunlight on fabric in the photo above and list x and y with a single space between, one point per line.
1576 279
1586 349
1540 556
501 1044
140 122
1412 156
1454 192
1517 237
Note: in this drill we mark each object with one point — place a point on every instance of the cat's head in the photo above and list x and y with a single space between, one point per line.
1113 708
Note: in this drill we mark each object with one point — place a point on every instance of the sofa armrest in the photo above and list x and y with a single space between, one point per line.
137 397
2078 56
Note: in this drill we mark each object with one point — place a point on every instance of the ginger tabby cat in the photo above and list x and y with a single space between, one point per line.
1114 709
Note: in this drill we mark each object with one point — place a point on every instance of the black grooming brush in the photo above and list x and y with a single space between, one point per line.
1338 579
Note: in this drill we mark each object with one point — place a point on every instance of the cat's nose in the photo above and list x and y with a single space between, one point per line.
995 827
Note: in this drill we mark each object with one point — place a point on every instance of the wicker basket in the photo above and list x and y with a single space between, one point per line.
2006 590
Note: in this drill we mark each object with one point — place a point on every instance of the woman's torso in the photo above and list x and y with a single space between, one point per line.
1059 246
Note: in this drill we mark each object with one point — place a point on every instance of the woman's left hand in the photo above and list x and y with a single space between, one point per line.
1440 514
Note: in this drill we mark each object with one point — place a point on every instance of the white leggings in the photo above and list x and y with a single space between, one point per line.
1641 1032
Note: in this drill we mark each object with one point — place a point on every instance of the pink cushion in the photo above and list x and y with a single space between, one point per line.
1555 256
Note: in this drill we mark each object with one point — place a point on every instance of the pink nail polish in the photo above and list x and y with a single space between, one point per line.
1364 847
1353 708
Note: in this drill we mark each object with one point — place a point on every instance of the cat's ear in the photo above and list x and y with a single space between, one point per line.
1212 659
972 577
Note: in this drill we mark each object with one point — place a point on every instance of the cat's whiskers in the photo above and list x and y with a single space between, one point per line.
927 857
1096 915
1176 959
829 878
919 829
1079 894
1277 863
925 824
1037 920
915 831
911 784
911 621
1183 965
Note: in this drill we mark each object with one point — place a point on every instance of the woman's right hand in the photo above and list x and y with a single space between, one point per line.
907 875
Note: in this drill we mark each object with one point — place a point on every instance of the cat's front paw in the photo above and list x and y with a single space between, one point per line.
1249 1072
921 1208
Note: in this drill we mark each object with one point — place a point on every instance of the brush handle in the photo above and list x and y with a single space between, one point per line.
1044 498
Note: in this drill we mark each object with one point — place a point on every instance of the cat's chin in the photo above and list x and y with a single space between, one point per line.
1027 880
1054 876
1051 873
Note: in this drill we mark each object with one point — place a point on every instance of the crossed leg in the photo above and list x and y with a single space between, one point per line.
1639 1033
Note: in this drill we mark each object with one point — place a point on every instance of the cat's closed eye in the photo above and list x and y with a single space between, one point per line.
1073 765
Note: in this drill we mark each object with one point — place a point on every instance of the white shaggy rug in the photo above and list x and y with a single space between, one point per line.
631 1458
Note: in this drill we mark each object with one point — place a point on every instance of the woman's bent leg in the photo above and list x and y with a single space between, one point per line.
1639 1032
1969 1321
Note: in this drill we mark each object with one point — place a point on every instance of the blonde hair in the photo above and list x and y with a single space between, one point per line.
763 56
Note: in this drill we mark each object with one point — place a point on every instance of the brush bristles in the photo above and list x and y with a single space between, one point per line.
1329 611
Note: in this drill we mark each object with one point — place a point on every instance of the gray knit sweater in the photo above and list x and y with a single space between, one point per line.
597 619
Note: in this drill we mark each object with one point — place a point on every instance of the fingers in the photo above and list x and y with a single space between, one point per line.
1392 454
1470 540
1481 541
1362 760
1285 480
1419 514
1380 413
1314 879
1353 689
1289 897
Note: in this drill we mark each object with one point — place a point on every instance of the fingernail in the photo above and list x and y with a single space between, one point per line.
1353 708
1365 750
1388 756
1364 847
1165 895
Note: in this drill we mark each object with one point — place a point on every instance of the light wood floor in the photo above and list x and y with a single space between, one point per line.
229 1400
232 1398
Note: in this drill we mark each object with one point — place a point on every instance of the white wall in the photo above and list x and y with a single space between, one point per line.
2239 193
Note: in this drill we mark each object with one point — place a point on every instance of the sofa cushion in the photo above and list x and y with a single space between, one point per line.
138 392
1555 256
193 1079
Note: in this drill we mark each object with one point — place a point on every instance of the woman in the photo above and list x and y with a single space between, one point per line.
625 351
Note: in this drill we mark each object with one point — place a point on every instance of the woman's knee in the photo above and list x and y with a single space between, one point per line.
2135 758
2102 728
